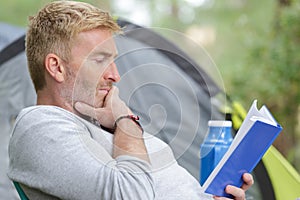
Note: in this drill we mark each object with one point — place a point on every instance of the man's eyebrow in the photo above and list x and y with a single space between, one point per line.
104 53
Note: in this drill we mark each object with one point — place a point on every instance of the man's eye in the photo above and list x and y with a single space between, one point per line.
99 61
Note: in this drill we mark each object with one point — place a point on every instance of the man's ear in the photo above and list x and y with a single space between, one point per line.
54 67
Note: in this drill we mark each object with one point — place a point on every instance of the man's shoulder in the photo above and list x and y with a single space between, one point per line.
50 117
44 112
47 109
46 122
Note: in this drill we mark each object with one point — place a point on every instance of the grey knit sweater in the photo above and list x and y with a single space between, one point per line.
55 154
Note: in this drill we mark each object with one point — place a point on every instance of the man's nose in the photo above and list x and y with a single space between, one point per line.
112 73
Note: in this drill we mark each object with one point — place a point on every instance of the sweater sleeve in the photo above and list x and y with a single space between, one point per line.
53 152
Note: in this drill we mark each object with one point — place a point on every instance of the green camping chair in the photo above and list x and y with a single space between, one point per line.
20 191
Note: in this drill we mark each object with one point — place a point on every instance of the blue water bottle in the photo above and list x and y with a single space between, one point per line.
215 145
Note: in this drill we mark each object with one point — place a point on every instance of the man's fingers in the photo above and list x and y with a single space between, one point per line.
85 109
219 198
248 181
238 193
113 108
113 92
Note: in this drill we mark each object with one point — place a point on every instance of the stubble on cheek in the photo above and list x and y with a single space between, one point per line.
83 91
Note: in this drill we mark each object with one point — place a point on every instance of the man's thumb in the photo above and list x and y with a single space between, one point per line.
85 109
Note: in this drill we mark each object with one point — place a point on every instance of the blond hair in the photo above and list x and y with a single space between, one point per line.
54 27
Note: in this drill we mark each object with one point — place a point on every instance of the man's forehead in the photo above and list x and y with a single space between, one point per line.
95 37
106 50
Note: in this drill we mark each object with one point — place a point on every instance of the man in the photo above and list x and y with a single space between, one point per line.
81 141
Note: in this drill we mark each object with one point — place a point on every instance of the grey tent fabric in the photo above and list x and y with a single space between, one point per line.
12 50
16 92
171 105
9 33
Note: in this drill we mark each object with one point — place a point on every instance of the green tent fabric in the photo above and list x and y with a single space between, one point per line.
285 179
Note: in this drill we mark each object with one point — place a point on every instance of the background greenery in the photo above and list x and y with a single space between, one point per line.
254 44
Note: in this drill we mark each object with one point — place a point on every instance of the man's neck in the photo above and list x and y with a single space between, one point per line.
45 97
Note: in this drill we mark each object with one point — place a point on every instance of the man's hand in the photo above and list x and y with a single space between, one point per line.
113 108
128 137
238 193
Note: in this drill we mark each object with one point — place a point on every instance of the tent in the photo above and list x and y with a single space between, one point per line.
173 95
16 92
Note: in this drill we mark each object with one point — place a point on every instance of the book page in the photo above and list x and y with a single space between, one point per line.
266 113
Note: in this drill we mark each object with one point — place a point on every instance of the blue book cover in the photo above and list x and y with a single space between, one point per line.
255 136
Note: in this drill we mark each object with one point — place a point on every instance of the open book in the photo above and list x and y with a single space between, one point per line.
255 136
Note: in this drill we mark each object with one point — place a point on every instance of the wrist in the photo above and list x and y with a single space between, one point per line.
133 118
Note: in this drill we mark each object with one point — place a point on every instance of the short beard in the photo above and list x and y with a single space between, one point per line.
67 89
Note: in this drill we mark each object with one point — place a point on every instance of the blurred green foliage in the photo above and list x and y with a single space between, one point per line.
277 65
17 11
